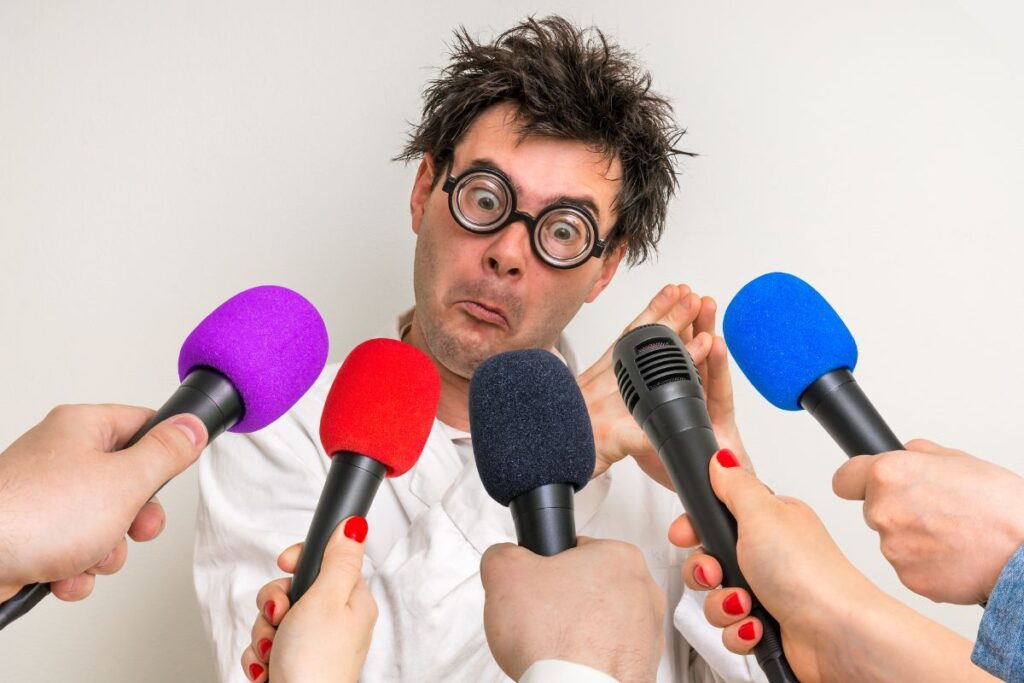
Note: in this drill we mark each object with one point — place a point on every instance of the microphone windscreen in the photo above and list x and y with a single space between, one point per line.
784 336
269 342
382 404
529 423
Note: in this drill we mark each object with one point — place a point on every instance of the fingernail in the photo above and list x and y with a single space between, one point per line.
700 577
732 605
269 610
182 423
356 529
255 671
264 647
747 631
727 458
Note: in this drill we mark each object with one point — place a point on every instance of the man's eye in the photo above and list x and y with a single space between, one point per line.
486 200
564 232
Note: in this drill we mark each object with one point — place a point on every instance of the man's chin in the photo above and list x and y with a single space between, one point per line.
463 350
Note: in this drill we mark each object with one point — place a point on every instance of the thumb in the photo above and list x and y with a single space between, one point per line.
342 566
165 451
740 490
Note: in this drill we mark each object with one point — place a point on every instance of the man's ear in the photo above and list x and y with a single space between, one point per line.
609 266
421 189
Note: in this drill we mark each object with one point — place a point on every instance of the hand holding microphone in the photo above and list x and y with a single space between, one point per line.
241 368
835 624
663 391
547 599
927 502
66 503
326 636
595 604
948 521
376 420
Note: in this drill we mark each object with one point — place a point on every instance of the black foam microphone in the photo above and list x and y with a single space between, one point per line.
663 392
533 443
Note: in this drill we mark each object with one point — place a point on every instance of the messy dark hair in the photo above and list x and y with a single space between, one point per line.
565 82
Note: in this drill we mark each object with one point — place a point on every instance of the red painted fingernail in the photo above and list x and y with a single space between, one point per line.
255 671
269 609
732 605
700 577
727 458
747 631
356 529
264 647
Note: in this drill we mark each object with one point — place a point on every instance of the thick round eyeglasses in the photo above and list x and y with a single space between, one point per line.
483 201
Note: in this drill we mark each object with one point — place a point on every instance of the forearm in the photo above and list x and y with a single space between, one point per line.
888 641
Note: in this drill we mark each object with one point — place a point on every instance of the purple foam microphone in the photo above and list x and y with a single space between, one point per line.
241 368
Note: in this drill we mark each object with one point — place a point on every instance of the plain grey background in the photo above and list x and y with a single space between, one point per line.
155 158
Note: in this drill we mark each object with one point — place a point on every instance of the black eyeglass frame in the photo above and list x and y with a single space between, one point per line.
597 245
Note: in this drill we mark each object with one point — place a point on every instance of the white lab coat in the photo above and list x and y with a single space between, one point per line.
428 530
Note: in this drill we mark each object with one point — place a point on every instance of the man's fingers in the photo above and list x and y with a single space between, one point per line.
925 446
497 556
705 320
850 481
148 523
73 589
718 387
699 347
119 423
165 451
342 565
114 560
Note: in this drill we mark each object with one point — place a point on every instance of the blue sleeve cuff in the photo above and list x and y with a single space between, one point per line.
999 648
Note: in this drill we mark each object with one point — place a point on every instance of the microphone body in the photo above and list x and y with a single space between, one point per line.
839 405
544 519
352 482
662 390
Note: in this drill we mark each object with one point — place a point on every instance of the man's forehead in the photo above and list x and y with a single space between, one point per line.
539 164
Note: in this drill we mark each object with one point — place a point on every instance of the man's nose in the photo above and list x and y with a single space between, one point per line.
509 250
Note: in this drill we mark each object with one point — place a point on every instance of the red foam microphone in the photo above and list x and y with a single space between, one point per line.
376 420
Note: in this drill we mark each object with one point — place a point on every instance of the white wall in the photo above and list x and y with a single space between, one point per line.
157 157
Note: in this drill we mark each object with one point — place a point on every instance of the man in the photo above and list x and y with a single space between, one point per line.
545 160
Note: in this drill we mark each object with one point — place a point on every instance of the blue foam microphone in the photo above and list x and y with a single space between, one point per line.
533 443
797 352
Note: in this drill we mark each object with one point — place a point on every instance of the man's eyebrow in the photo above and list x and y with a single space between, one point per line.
584 201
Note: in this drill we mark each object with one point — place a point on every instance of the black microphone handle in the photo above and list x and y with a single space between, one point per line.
205 393
544 519
837 402
352 482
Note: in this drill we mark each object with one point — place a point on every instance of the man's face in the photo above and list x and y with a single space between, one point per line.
479 295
